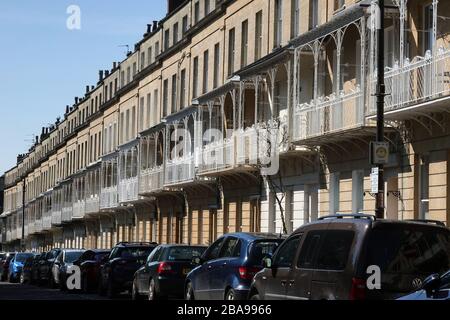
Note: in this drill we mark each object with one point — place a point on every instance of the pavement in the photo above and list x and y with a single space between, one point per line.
15 291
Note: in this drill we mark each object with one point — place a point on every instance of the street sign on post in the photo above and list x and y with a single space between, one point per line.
374 176
379 153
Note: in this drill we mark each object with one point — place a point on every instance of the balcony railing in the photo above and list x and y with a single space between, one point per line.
128 190
56 215
109 198
38 225
151 180
217 156
31 227
419 80
180 170
67 212
79 209
93 204
47 220
330 114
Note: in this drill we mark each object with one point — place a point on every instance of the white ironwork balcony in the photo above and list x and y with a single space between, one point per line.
109 198
26 232
92 204
67 212
8 236
217 156
180 170
38 225
56 215
47 220
151 180
128 190
330 114
79 209
419 80
31 227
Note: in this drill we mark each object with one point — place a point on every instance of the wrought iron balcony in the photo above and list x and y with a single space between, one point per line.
151 180
79 209
109 198
330 114
128 190
180 170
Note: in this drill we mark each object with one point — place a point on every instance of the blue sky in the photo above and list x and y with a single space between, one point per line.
44 65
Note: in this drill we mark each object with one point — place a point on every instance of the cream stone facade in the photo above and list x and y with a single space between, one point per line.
287 83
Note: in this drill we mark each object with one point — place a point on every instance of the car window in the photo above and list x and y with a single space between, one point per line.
183 253
309 249
262 248
154 256
286 253
231 248
214 250
409 250
335 249
72 256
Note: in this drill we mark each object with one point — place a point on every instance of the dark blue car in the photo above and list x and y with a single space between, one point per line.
227 267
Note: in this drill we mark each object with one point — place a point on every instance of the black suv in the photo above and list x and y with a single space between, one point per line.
45 266
342 256
117 272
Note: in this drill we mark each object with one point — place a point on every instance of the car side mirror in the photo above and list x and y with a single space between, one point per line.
267 262
196 260
431 283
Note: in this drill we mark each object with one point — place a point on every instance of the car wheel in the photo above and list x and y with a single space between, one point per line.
110 291
230 295
135 292
255 296
152 294
22 278
189 292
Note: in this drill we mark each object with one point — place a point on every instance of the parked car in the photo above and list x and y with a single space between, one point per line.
116 274
165 271
90 263
45 266
61 265
435 287
3 256
227 267
25 275
333 258
16 266
5 266
35 268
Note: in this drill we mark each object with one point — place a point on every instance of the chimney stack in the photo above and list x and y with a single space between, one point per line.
100 75
67 109
76 100
92 88
155 25
87 89
106 73
149 28
114 65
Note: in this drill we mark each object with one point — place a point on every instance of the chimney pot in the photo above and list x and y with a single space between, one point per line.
114 65
92 88
100 75
155 25
76 100
106 73
87 89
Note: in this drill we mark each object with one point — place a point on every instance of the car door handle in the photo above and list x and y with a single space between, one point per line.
224 264
291 283
283 283
209 267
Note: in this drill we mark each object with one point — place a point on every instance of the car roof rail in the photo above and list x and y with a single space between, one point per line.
436 222
135 243
349 215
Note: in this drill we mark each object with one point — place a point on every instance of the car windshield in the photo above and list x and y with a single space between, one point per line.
72 256
184 253
262 248
22 257
409 250
134 252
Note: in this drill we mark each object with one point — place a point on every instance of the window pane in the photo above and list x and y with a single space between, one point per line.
286 253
